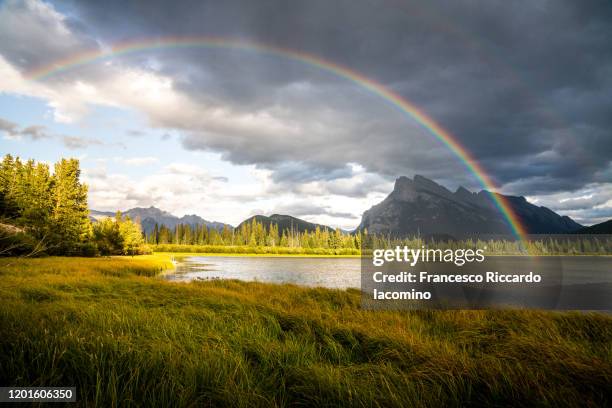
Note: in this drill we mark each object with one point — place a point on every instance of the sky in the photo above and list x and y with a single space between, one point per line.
225 133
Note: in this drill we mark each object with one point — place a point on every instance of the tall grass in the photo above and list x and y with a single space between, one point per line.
260 250
123 338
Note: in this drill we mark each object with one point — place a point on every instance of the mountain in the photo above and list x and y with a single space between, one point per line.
95 215
284 222
601 228
150 216
421 206
539 219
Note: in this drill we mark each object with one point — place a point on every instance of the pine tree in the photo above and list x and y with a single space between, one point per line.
227 235
36 200
70 215
8 206
155 238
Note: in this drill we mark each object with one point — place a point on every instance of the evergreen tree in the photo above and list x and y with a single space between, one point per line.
35 200
70 215
155 238
8 206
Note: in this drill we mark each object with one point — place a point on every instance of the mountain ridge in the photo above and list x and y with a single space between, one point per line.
601 228
149 216
422 206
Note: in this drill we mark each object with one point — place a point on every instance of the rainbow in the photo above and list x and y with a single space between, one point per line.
374 87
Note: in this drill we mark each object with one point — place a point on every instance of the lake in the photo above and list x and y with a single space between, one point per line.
327 272
346 272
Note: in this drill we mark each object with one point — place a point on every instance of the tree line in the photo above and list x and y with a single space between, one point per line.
541 245
259 238
253 234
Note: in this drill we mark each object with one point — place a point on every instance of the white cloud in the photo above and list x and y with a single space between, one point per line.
185 189
588 205
179 193
139 161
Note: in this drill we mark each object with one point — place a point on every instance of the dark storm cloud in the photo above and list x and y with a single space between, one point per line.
516 82
349 183
526 87
300 172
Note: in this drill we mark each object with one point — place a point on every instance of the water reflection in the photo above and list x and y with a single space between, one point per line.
326 272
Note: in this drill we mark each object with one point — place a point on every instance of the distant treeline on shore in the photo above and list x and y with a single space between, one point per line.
535 245
255 237
253 234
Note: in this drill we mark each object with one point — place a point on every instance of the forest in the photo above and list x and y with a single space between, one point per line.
253 234
44 212
254 237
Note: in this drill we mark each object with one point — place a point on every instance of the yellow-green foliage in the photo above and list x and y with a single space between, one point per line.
119 236
573 245
243 249
253 234
125 339
51 207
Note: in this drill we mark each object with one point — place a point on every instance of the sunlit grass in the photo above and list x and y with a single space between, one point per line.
179 255
125 338
245 250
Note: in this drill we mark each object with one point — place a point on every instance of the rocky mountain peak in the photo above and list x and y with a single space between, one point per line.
149 216
408 190
421 205
463 192
402 183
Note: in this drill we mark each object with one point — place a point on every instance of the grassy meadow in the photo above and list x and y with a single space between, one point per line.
568 246
124 337
254 250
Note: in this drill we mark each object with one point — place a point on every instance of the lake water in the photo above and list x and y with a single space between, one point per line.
346 272
326 272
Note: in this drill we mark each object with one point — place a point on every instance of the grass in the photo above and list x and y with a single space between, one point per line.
125 338
254 250
185 254
245 250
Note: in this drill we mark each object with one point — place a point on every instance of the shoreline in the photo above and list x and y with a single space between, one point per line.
242 255
232 254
